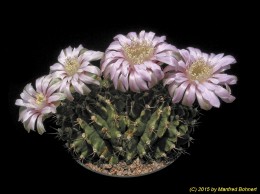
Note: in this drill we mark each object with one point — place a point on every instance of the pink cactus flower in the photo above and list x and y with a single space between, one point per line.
75 70
134 61
37 105
200 76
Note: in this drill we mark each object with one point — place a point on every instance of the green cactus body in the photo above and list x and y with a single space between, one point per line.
114 126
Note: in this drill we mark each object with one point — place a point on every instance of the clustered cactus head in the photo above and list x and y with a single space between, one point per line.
139 104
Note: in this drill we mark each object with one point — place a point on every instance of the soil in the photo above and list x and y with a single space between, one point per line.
137 168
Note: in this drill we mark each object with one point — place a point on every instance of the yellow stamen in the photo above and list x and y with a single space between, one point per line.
39 98
138 52
71 66
199 71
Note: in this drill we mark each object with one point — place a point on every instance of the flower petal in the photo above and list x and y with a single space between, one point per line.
122 39
68 93
87 79
224 94
178 94
204 104
132 83
40 127
90 55
189 96
56 67
92 69
226 79
56 97
140 82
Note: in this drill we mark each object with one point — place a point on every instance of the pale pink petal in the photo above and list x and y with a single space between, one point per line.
56 97
68 93
25 96
185 55
59 74
132 83
19 102
56 67
164 47
210 97
88 80
85 89
146 76
224 63
62 57
169 68
225 78
169 80
68 51
182 66
209 86
75 51
180 79
114 46
25 124
204 104
115 67
48 109
142 34
224 94
125 68
32 120
38 84
213 80
107 71
124 80
158 40
53 88
132 35
107 62
113 54
92 69
149 36
40 127
27 115
120 85
170 60
45 83
122 39
63 84
154 80
179 92
214 59
189 96
22 111
115 78
140 82
77 87
30 89
172 89
90 55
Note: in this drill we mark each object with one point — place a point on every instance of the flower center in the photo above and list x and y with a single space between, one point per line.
71 66
138 52
39 98
199 70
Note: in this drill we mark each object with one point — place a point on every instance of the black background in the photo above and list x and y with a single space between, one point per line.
225 147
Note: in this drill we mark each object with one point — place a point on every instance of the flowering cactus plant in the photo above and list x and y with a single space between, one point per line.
141 104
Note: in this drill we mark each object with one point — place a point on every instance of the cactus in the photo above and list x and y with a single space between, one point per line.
108 125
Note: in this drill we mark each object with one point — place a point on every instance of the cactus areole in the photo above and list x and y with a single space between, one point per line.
136 113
